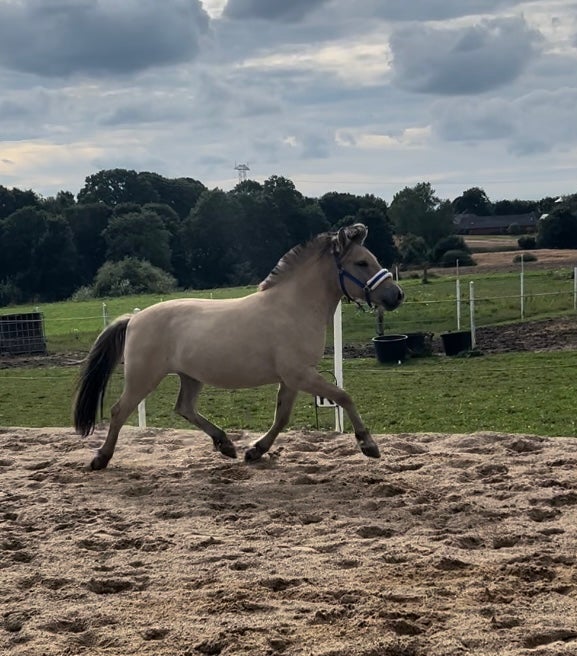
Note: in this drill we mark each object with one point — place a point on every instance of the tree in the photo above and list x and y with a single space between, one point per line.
53 275
558 229
302 218
210 241
88 223
19 234
15 199
473 201
181 194
336 206
413 250
417 211
380 240
264 238
41 260
115 186
141 235
512 207
59 203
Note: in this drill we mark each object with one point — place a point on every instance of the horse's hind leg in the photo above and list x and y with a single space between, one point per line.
284 404
137 386
186 407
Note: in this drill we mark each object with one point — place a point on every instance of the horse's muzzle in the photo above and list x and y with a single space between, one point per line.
392 298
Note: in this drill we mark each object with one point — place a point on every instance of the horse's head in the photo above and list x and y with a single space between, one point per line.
361 277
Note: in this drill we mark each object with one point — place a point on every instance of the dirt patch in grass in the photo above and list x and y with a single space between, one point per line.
502 262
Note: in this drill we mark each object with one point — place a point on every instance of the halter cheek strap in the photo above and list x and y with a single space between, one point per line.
372 283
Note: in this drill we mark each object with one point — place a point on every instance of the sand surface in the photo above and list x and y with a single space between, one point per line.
448 545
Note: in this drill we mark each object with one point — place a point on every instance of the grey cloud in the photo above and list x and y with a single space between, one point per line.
95 37
315 146
426 10
465 61
540 121
472 121
273 10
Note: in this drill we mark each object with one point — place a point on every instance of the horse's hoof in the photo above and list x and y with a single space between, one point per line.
227 449
253 454
370 450
99 462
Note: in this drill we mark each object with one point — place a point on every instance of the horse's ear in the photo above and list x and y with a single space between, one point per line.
345 236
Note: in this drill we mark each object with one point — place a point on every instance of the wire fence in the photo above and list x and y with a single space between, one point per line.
444 305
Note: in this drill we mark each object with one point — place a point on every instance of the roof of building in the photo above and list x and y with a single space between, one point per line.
470 221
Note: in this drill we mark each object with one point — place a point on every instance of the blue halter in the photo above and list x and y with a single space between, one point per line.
372 283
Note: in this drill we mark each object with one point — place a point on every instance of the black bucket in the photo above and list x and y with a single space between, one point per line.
457 342
420 345
390 348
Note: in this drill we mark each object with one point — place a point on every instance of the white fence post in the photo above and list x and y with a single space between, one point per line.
142 404
522 287
338 361
472 313
104 316
458 292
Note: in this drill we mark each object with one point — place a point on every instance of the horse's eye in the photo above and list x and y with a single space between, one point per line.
362 263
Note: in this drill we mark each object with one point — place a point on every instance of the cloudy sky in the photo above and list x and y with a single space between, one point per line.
366 96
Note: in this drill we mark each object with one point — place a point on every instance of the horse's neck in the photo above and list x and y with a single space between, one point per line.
314 287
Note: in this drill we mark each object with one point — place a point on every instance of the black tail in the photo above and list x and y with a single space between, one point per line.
103 357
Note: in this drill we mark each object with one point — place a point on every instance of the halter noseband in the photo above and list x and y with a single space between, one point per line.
372 283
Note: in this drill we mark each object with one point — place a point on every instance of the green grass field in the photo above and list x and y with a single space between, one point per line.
520 393
517 392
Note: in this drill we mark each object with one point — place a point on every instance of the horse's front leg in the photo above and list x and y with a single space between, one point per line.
313 383
285 400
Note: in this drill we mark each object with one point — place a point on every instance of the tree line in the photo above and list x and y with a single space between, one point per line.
130 232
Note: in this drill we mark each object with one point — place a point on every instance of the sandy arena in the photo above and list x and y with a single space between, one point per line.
449 545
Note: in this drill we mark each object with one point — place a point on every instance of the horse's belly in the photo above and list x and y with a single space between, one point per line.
228 370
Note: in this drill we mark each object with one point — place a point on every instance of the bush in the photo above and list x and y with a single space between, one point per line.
84 293
413 250
10 293
527 242
558 229
526 257
450 243
132 276
450 258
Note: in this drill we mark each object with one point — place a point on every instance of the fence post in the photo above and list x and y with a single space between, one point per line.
338 364
522 287
472 313
142 404
104 316
458 291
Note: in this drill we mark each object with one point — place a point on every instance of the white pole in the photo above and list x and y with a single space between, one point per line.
522 286
575 288
104 316
472 311
142 414
396 273
142 404
338 361
458 293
